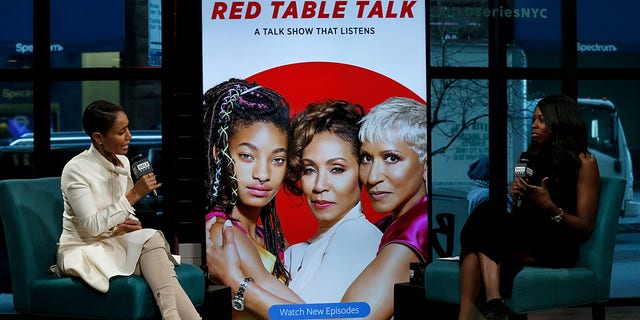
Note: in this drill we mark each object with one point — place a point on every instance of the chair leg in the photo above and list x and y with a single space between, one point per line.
597 311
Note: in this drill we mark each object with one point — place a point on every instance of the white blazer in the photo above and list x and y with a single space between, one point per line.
93 191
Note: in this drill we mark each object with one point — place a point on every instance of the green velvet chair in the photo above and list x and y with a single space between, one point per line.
31 212
538 289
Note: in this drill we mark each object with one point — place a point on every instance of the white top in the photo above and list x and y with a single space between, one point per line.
323 267
93 191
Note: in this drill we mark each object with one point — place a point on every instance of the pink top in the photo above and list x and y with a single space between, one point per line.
263 251
411 229
222 215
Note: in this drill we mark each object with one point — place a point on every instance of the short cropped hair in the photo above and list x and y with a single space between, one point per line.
404 117
99 116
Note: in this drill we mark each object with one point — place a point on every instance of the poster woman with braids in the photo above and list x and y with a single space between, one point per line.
246 136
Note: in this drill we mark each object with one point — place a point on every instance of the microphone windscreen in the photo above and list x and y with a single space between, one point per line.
522 168
140 166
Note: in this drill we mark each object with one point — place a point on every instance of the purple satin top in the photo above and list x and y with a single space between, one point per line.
411 229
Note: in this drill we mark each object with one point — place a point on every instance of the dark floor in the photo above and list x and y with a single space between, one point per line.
611 313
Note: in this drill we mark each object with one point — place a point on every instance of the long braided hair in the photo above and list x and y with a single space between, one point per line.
229 107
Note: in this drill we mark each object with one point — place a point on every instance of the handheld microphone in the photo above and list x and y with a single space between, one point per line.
522 170
139 167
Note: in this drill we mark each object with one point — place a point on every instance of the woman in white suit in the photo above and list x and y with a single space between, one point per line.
101 236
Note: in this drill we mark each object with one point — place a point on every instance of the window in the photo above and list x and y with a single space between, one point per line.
491 61
97 50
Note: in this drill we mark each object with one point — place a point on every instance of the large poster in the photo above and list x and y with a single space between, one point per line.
310 51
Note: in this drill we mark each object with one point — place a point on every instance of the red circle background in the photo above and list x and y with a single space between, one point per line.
306 82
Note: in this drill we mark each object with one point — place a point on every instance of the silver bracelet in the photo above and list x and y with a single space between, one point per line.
238 300
559 217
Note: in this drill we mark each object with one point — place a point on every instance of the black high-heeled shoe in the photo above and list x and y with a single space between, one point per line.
496 309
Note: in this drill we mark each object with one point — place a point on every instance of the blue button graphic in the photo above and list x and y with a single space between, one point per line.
319 310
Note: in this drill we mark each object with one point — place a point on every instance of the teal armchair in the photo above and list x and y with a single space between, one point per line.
538 289
31 212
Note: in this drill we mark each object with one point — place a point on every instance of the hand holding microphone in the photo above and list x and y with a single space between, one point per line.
523 171
141 169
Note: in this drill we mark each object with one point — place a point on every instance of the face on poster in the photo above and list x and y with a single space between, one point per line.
310 51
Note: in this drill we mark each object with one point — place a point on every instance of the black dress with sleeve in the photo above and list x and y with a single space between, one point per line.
526 235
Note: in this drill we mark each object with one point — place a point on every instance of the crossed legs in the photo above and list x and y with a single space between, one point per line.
477 270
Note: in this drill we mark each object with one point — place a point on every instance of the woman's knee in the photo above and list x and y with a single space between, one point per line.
469 260
156 241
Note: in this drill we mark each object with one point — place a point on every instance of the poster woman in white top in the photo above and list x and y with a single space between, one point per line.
324 167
